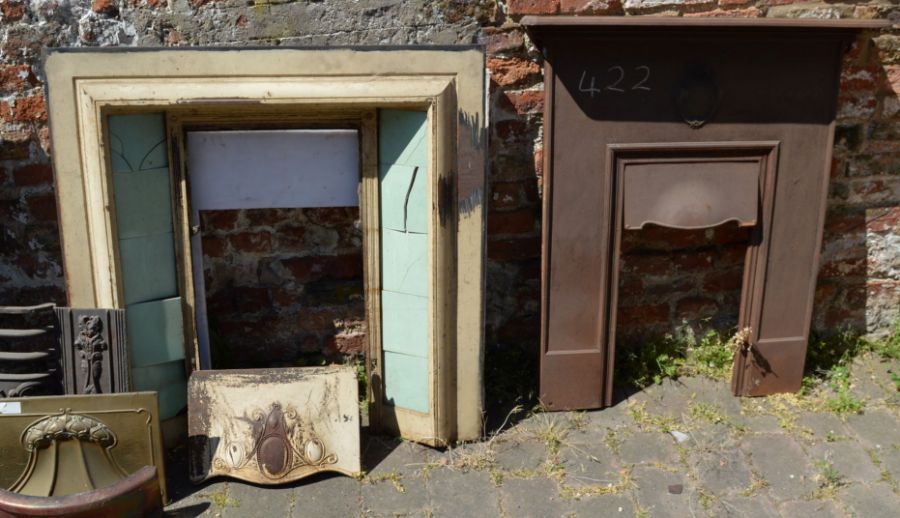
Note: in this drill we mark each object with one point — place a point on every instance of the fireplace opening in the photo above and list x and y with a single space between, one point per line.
675 286
277 246
284 287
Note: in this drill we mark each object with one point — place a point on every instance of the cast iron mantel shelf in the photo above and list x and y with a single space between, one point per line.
541 26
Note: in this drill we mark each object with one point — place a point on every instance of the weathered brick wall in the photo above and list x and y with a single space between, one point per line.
859 281
281 283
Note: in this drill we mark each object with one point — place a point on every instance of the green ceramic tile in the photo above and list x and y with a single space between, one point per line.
406 381
395 184
172 399
155 332
148 268
143 203
404 262
168 380
404 323
137 142
154 376
401 137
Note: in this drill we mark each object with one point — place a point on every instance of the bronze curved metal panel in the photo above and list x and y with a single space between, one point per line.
136 495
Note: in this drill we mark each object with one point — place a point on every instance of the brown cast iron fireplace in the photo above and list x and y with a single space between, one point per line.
686 124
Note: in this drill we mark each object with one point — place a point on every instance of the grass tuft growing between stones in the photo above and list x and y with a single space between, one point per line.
391 476
649 422
221 500
552 432
828 478
626 482
757 484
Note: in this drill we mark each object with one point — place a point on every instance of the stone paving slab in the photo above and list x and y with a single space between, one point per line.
760 457
782 464
523 455
531 498
850 460
757 506
812 509
472 495
871 501
588 464
877 428
243 499
724 472
327 496
664 493
605 506
824 427
403 497
648 448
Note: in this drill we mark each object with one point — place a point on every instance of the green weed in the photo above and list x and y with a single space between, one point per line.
707 412
707 353
391 476
222 500
757 483
551 432
648 422
828 478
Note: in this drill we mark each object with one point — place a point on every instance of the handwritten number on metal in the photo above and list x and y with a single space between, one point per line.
640 84
591 89
614 86
643 71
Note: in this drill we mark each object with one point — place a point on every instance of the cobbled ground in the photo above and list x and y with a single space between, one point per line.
684 448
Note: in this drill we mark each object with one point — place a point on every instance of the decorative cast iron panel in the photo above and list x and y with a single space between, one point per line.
94 354
271 426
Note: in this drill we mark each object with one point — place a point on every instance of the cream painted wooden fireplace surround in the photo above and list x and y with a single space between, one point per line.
293 88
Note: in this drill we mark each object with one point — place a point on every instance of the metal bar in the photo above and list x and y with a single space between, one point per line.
24 333
7 376
24 310
23 356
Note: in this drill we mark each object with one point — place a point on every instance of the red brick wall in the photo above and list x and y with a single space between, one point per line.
281 283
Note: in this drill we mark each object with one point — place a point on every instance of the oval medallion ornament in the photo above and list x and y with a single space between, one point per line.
697 97
273 451
314 451
235 455
273 455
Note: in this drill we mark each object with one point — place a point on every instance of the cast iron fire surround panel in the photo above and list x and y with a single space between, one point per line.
94 353
685 124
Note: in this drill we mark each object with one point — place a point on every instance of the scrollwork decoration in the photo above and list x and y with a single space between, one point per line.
281 444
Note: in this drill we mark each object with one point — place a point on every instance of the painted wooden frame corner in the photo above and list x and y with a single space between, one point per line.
85 86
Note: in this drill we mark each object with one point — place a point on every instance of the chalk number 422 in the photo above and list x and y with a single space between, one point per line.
617 78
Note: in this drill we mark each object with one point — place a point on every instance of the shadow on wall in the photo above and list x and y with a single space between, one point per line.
513 266
858 286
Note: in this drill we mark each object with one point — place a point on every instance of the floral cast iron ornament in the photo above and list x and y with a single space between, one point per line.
91 346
